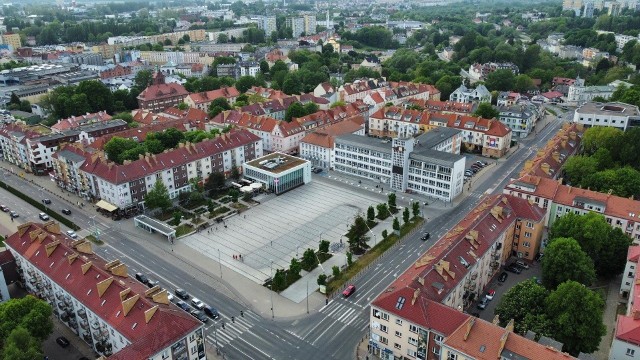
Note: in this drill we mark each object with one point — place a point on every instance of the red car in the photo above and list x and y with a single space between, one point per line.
349 290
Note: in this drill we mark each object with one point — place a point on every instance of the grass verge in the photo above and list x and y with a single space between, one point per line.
183 230
370 256
94 240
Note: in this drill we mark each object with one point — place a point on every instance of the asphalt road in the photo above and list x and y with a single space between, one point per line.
331 333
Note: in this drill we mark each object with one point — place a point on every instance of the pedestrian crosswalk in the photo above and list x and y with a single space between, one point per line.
222 335
345 313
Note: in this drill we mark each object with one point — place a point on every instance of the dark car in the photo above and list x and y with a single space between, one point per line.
152 283
199 315
62 341
317 170
13 214
482 304
46 201
142 278
503 277
513 268
4 208
182 294
425 237
66 211
211 311
43 216
349 291
182 305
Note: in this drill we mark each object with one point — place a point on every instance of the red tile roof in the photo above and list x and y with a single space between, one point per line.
119 174
552 94
325 136
444 106
633 254
161 91
168 324
75 121
209 96
140 133
548 160
628 325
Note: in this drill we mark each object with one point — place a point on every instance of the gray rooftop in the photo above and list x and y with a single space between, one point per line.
547 341
101 125
610 108
435 157
365 141
70 155
432 138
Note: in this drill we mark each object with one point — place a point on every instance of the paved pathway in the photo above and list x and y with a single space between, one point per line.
610 316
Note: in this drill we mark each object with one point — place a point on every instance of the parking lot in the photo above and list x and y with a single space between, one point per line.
535 270
282 227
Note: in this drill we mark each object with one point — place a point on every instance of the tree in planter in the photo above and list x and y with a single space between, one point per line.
158 197
371 213
278 282
210 206
336 271
384 234
295 267
383 211
215 183
235 173
396 224
324 246
322 279
406 215
177 216
247 196
356 236
349 259
416 209
308 259
392 203
234 195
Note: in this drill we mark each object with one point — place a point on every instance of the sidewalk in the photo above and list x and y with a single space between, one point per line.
610 316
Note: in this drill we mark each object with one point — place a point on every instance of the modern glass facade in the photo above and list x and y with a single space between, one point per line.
277 183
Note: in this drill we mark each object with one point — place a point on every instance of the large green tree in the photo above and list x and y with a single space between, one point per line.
24 324
576 313
486 111
564 260
501 80
158 197
525 304
600 136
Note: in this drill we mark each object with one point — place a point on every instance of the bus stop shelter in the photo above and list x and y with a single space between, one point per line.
153 226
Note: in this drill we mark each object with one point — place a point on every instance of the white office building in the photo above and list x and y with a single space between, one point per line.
429 164
613 114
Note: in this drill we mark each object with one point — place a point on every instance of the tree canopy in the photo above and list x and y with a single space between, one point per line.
24 324
525 304
158 197
564 260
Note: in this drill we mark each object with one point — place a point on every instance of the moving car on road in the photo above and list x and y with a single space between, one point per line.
425 237
46 201
66 211
13 214
349 290
4 208
43 216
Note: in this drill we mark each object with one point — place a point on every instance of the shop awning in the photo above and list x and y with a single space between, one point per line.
106 206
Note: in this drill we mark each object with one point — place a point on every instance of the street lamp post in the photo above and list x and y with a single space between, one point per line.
307 296
271 293
220 262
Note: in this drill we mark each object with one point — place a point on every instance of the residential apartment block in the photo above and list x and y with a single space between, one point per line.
127 184
466 95
489 137
296 24
276 135
558 199
445 107
117 316
521 119
203 100
160 95
428 164
614 114
267 24
579 93
421 314
626 338
318 146
480 72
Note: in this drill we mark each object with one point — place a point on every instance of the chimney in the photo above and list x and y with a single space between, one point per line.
556 156
469 327
546 168
636 314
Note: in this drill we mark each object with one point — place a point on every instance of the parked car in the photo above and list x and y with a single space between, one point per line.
152 283
62 341
182 294
182 305
490 294
170 296
142 278
43 216
199 315
4 208
197 303
66 211
13 214
521 264
72 234
425 237
483 304
349 290
211 311
46 201
514 269
317 170
503 277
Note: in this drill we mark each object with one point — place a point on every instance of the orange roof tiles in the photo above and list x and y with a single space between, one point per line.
209 96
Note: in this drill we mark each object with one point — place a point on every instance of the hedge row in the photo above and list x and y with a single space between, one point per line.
62 219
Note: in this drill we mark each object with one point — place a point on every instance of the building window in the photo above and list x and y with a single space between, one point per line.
529 224
526 244
437 338
630 352
527 234
398 334
413 329
384 340
397 346
398 322
383 328
413 341
436 350
452 356
411 353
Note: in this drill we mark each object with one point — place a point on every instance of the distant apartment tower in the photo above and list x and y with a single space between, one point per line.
588 10
12 40
615 8
267 24
572 5
296 24
309 24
